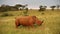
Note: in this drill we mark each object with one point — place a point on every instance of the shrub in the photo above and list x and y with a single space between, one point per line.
25 13
6 14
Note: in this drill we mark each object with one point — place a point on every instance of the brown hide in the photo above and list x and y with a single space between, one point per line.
27 21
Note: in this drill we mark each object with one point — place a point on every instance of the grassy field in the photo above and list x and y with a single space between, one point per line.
51 23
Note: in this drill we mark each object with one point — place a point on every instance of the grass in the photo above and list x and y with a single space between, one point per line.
51 23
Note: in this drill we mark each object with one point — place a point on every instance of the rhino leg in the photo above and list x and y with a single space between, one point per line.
17 24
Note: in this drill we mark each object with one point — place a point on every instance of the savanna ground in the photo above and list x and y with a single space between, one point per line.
51 23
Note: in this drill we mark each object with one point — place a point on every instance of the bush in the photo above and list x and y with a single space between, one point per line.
42 13
25 13
6 14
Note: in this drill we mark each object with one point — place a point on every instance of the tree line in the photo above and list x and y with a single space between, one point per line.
17 7
43 8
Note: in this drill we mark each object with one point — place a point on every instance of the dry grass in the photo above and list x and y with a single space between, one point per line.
51 23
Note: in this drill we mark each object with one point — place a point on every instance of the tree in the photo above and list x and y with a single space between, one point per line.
58 7
52 7
7 7
18 6
45 7
42 8
24 6
3 8
26 12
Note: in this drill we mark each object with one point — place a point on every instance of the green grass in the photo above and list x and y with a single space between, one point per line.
51 23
